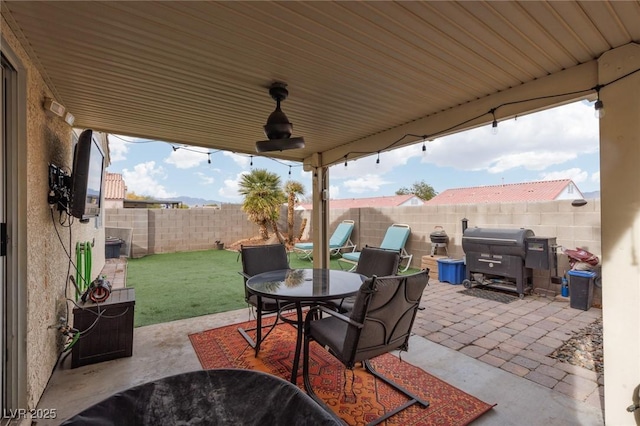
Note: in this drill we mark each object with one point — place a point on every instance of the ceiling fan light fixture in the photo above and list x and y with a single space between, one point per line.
278 128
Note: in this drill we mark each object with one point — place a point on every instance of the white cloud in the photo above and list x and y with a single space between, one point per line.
241 160
534 142
204 179
118 147
334 192
143 180
365 183
389 160
529 160
595 177
576 174
187 158
230 188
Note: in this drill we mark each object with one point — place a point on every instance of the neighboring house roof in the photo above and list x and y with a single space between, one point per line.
390 201
114 187
515 192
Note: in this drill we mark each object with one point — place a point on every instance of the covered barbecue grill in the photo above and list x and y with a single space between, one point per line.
496 258
439 238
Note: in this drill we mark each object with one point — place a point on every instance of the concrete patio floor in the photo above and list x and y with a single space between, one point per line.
497 352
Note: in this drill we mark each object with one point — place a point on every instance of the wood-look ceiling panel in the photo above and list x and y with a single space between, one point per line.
198 72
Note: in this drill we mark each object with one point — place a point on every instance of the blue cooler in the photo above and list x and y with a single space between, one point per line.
581 289
451 271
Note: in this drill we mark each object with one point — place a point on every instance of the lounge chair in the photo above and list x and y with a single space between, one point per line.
394 239
339 241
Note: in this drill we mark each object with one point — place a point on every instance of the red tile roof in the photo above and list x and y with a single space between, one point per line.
114 187
348 203
527 191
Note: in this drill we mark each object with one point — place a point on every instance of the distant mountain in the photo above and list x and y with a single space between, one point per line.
591 195
191 202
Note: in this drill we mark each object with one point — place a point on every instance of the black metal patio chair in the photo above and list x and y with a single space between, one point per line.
373 261
380 322
256 260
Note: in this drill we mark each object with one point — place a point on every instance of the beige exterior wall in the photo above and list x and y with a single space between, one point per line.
48 140
113 204
619 159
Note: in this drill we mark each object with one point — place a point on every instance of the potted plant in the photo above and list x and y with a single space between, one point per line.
219 245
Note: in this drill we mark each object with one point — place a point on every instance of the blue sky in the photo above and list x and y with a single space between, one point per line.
554 144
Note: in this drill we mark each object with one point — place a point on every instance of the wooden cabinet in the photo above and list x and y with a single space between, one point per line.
107 329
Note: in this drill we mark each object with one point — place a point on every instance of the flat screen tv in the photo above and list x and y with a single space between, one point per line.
86 177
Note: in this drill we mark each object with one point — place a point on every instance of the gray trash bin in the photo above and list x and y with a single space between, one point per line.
581 289
112 248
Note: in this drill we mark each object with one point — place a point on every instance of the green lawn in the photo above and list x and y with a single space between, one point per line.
182 285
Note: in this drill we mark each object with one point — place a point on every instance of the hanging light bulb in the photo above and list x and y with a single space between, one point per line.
599 112
494 124
378 161
251 163
289 170
599 105
209 157
424 149
175 148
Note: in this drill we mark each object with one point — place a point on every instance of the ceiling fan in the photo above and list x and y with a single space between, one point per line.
278 128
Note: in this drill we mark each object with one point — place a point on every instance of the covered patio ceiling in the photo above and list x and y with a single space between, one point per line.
361 75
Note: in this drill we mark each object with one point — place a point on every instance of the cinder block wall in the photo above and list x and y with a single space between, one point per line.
173 230
572 226
170 230
135 219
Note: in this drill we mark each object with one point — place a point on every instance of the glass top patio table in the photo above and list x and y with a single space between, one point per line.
304 287
308 285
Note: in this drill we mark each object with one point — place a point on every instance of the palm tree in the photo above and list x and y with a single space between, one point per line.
262 199
292 189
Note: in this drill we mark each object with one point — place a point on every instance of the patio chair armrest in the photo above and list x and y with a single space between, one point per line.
331 312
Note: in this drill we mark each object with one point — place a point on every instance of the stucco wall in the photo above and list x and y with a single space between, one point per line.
49 140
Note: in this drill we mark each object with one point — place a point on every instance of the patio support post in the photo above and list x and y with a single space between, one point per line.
620 221
320 212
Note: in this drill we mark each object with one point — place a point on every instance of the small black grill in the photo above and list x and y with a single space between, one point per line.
496 258
439 238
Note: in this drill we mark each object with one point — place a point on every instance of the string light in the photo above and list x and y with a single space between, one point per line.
208 153
494 125
599 113
599 105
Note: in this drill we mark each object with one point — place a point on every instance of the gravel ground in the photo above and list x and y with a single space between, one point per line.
584 348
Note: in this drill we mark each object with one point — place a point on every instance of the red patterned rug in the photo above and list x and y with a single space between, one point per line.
357 398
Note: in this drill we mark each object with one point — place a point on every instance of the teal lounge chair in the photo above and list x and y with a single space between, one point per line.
395 240
339 242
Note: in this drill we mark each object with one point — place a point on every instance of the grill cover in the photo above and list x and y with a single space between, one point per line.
493 241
